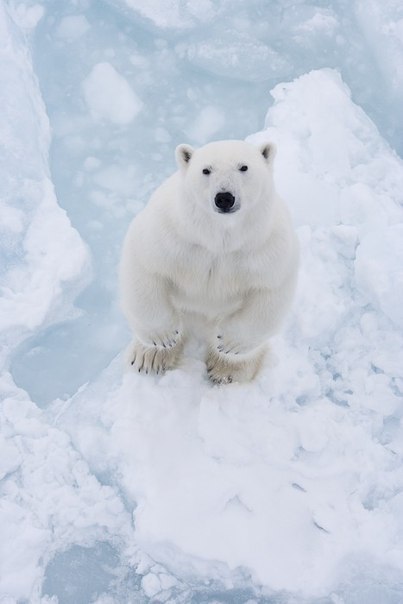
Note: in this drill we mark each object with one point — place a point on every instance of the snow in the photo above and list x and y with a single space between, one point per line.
109 96
35 232
206 124
172 13
378 269
72 27
116 487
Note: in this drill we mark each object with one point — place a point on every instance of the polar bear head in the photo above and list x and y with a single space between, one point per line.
227 177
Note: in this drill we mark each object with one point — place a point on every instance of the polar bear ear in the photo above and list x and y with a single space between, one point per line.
268 150
183 154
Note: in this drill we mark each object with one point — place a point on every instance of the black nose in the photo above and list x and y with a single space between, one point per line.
224 201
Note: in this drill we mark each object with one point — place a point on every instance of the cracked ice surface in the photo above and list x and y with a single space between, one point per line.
118 488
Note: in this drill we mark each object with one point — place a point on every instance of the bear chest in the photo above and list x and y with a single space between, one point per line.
211 280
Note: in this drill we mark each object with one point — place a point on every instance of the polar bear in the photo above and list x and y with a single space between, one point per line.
215 243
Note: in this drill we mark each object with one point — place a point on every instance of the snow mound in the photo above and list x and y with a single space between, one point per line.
346 177
43 257
296 479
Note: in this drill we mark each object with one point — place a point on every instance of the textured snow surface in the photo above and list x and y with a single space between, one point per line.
120 488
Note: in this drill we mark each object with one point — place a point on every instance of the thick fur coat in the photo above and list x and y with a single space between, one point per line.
215 243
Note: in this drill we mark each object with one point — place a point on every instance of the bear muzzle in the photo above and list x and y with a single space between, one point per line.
225 202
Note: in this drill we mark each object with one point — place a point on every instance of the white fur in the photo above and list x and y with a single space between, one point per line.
182 259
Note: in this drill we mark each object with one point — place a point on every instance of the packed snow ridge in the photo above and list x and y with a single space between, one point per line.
166 489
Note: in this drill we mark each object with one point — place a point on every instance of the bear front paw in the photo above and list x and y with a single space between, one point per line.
225 369
151 359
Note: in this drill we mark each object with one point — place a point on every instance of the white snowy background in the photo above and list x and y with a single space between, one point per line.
117 488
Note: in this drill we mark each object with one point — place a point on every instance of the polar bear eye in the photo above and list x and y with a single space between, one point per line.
243 168
206 171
